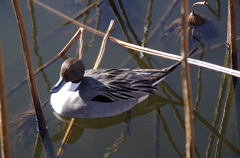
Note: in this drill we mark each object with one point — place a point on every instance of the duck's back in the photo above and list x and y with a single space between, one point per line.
110 85
152 75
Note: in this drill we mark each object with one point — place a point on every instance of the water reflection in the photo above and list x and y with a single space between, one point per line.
35 43
203 31
83 12
221 120
151 104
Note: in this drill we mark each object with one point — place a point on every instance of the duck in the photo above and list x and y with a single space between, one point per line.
98 93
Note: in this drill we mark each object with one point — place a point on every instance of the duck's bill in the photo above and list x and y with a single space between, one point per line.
61 82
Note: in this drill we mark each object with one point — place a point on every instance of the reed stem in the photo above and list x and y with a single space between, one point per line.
231 34
104 41
66 137
186 84
81 43
4 132
30 71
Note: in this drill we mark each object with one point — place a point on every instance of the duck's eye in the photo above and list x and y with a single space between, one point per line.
72 71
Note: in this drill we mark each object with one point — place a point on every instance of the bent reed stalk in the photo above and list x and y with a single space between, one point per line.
104 41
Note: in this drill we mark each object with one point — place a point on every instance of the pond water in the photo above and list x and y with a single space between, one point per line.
157 125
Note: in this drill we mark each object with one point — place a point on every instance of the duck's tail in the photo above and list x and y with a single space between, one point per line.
171 68
165 72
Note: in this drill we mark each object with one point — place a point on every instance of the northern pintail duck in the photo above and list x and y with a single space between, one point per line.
99 93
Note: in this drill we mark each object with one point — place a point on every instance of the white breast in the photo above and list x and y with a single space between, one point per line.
59 99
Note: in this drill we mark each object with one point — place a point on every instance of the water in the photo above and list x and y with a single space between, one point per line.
150 133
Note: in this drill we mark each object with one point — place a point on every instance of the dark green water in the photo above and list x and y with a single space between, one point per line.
150 134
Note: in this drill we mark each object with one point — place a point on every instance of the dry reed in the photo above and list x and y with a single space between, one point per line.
66 137
231 33
29 68
186 85
81 43
4 132
104 41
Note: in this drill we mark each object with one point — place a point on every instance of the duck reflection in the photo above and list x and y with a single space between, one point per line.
143 108
140 109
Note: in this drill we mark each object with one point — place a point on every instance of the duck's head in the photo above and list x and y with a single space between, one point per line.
72 70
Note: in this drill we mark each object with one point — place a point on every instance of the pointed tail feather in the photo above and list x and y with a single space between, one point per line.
171 68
